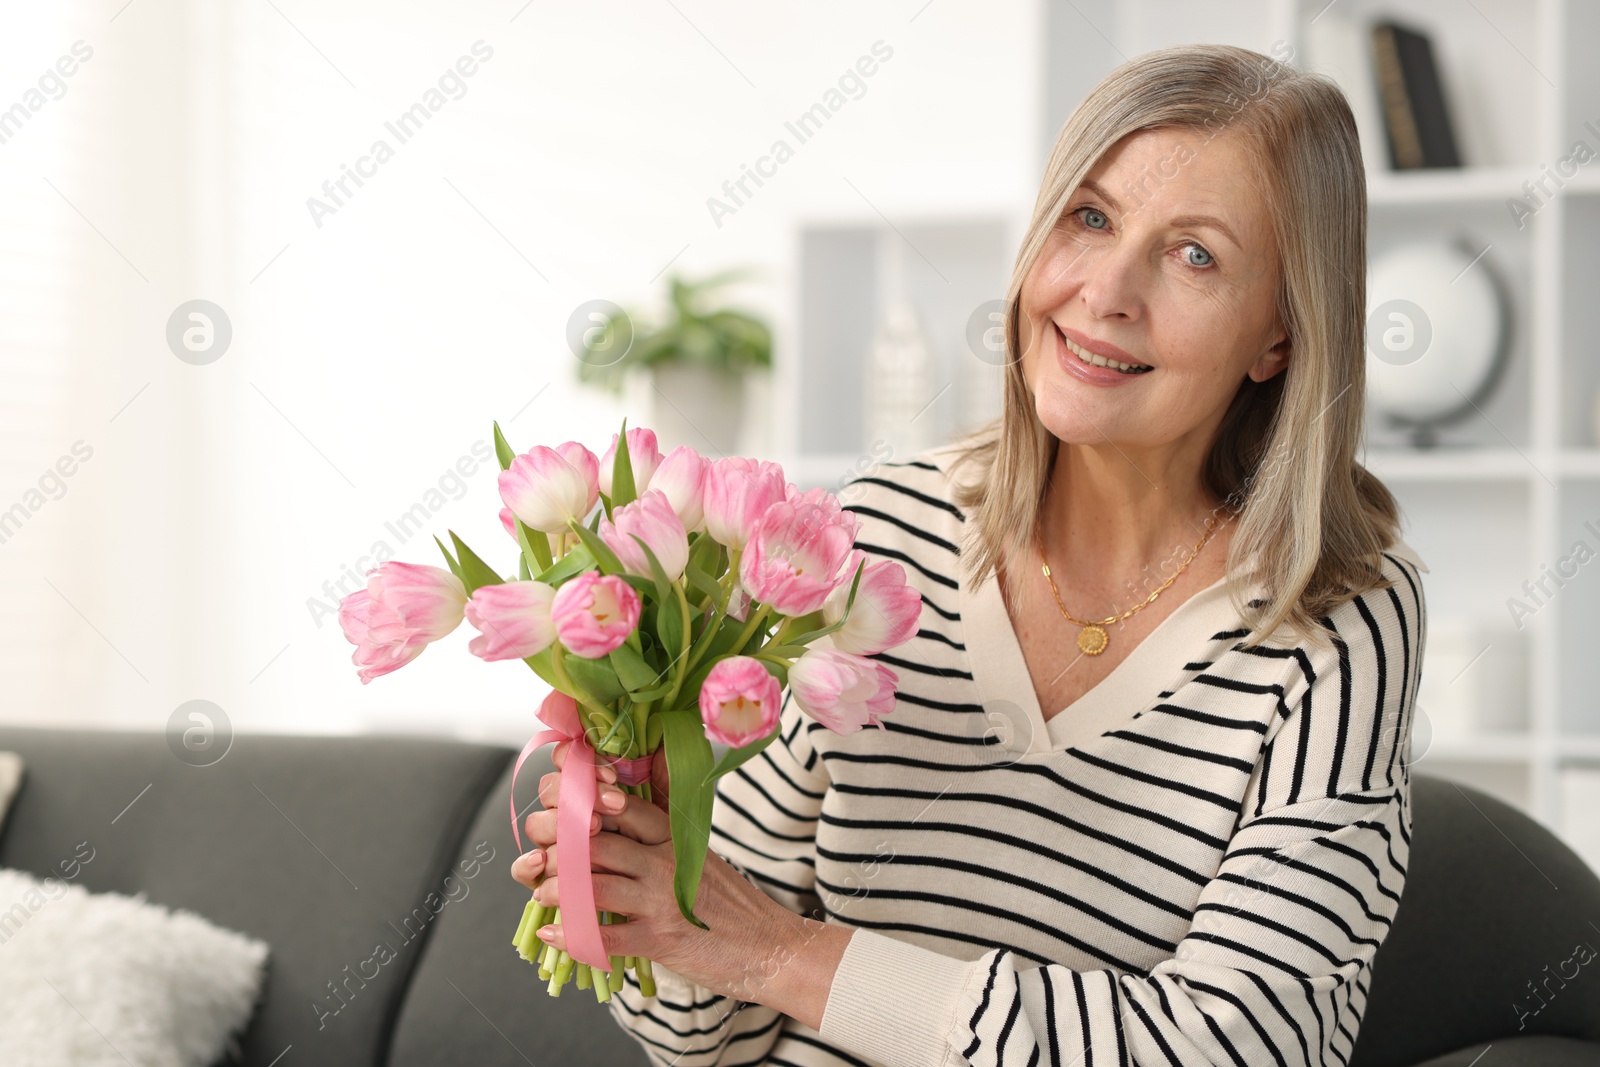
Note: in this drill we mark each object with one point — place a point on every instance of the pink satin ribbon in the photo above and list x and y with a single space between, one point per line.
559 713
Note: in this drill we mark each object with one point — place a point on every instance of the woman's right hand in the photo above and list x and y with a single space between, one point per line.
608 802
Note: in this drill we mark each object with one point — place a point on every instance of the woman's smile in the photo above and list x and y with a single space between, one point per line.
1094 368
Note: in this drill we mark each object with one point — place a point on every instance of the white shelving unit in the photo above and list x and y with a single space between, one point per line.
1508 490
1510 493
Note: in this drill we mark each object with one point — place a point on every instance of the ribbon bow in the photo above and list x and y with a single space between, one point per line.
559 713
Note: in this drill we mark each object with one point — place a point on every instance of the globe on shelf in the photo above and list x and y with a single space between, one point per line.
1438 333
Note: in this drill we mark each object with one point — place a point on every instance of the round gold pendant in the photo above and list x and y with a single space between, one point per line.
1092 640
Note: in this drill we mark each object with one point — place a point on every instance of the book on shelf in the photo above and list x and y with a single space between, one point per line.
1339 45
1415 115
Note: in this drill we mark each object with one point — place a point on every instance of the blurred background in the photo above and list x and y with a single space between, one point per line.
272 269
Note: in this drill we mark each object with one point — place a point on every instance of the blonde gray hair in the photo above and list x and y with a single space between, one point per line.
1312 517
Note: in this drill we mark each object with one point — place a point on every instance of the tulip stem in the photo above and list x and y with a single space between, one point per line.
639 719
528 911
697 650
647 979
756 620
769 658
680 662
786 629
729 579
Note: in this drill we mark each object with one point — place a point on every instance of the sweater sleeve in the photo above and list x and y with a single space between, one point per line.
764 823
1275 966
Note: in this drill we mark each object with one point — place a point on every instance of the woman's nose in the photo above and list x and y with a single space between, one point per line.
1111 282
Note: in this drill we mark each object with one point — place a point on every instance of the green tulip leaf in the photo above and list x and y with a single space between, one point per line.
595 676
577 561
455 568
503 451
622 490
535 545
632 669
734 757
701 582
475 573
607 559
689 760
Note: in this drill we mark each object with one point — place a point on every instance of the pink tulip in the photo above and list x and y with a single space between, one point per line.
885 614
548 487
652 518
813 496
509 521
594 613
514 619
404 608
682 477
643 456
738 492
842 691
740 702
818 507
796 557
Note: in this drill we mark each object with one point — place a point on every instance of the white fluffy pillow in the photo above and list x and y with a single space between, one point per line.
108 979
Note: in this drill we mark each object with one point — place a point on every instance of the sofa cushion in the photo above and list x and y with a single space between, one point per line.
473 999
333 850
1522 1052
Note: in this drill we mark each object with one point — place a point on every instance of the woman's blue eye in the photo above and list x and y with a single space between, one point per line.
1090 214
1204 259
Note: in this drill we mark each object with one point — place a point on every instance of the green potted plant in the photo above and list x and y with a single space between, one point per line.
695 362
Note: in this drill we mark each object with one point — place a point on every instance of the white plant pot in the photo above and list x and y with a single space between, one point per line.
695 406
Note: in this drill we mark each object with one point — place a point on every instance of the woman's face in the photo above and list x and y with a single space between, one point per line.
1164 258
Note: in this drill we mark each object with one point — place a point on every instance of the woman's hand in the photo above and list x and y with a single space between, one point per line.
541 825
631 857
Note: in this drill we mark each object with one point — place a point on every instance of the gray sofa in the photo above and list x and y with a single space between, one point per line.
327 847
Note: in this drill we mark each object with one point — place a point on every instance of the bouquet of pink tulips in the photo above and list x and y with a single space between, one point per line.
670 617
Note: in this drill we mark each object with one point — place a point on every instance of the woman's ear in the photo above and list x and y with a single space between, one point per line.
1271 361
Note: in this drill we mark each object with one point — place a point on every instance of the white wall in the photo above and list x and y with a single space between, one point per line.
369 354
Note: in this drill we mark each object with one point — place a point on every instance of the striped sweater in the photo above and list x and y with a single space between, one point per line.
1192 864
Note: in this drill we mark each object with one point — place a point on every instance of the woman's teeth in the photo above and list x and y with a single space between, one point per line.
1102 361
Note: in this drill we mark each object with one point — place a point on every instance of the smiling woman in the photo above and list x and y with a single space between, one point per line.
1203 214
1174 830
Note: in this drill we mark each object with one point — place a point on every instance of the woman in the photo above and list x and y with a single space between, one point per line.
1147 804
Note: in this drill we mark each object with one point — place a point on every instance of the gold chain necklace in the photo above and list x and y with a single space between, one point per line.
1093 638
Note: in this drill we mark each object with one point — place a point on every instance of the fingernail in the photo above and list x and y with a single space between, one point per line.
546 934
535 858
608 774
614 800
